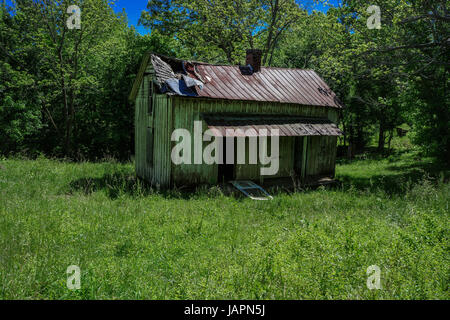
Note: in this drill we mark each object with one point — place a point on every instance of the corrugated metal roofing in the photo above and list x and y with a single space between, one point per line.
296 86
252 125
270 84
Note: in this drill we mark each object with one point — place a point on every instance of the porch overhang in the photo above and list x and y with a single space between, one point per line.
245 125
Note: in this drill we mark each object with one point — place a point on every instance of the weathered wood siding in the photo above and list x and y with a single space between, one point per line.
321 150
152 137
321 156
173 112
142 122
185 113
162 125
286 161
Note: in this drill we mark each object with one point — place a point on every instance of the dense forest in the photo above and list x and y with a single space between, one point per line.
64 91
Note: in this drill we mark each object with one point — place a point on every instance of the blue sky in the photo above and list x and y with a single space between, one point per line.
134 8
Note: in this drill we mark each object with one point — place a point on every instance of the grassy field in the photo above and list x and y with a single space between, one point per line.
132 242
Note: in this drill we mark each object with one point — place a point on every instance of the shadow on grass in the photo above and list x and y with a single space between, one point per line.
115 185
402 175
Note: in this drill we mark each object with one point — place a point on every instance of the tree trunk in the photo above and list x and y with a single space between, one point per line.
274 12
391 135
67 115
381 138
351 145
359 141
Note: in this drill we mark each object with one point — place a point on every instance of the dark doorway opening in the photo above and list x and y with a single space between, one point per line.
300 157
226 171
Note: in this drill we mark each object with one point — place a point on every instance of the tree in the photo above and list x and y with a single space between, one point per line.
413 45
56 59
382 75
221 30
76 82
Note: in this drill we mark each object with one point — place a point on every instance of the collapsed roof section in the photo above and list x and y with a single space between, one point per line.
197 79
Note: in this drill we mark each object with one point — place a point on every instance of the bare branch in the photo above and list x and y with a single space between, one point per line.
413 46
430 15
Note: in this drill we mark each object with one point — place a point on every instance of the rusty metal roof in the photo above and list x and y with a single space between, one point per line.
281 85
257 125
270 84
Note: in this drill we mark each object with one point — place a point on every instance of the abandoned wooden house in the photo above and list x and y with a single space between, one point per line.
171 94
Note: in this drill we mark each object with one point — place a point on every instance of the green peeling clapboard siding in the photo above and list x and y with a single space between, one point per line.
173 112
153 165
286 161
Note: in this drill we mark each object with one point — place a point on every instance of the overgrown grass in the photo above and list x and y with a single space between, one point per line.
132 242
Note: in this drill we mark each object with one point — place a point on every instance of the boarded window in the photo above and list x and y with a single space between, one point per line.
149 146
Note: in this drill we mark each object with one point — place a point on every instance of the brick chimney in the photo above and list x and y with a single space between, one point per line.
254 57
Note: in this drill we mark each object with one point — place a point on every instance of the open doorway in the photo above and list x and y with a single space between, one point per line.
300 157
226 171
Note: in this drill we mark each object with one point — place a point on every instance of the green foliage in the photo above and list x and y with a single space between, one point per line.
220 31
75 83
132 242
17 123
431 113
